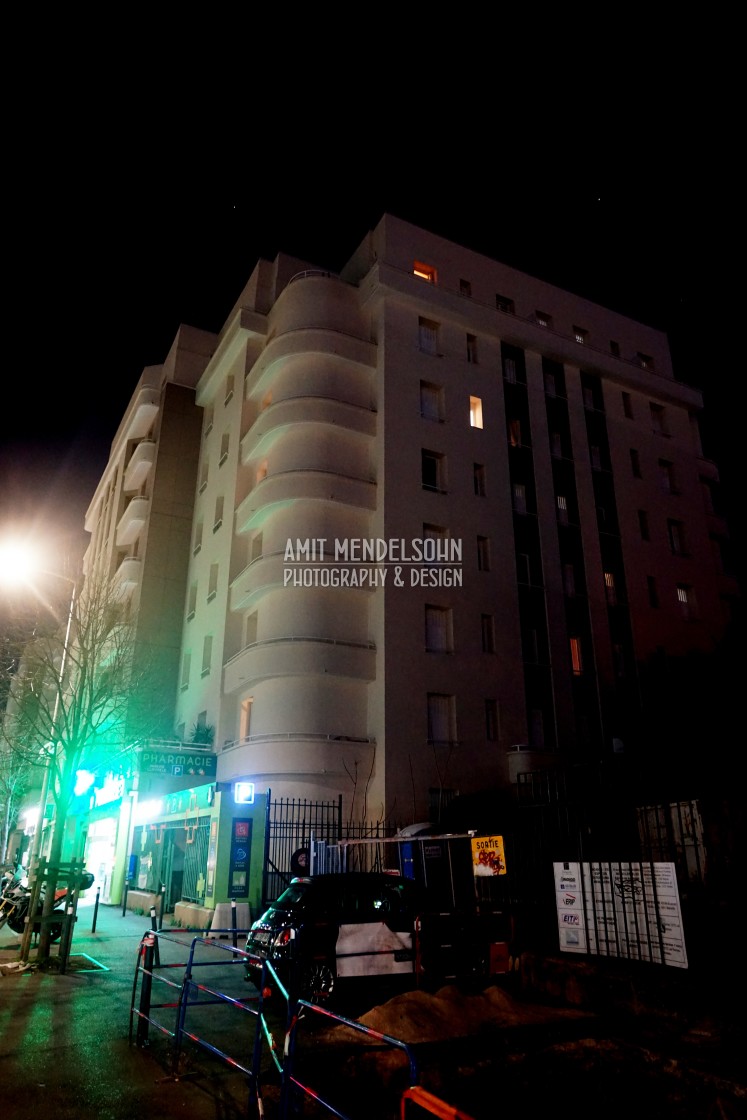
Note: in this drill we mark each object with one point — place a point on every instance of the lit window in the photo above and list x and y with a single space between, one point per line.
543 319
475 412
433 470
514 433
472 349
577 664
562 506
519 497
581 335
438 629
686 600
428 336
609 588
431 401
645 361
504 304
425 272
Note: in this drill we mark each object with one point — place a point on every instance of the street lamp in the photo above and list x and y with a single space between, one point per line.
17 567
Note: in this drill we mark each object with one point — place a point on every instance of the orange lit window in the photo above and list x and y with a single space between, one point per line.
425 272
576 660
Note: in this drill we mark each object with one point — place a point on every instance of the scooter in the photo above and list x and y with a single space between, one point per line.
16 899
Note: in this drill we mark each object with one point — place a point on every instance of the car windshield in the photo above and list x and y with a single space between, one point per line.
292 896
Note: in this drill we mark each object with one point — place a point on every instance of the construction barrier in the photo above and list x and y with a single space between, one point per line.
183 995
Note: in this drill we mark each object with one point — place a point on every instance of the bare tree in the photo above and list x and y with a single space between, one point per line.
82 698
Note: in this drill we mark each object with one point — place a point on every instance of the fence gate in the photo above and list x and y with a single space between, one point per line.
290 825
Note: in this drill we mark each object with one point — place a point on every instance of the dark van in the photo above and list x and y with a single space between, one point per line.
325 927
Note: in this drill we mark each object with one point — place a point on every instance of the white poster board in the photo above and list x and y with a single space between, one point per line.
620 910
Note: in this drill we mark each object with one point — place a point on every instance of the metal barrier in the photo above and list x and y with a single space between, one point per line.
190 994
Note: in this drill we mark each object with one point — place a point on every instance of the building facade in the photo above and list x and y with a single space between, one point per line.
405 531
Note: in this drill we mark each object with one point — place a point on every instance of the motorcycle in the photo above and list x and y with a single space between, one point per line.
15 901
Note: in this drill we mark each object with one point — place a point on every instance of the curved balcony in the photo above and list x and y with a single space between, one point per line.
296 755
127 575
306 410
138 468
132 520
294 657
295 485
142 414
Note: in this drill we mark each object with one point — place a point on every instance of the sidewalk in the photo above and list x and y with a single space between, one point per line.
64 1039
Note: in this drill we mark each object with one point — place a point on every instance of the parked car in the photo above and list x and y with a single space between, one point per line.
328 927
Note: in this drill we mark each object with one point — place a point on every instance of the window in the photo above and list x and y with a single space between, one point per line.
581 335
186 666
218 515
551 388
523 568
556 445
658 420
666 477
475 412
204 476
478 478
438 629
465 288
256 548
645 361
487 633
483 554
514 432
192 601
643 525
610 589
588 394
229 389
653 593
472 349
675 532
561 503
595 456
569 580
428 336
245 717
504 304
491 721
537 728
577 663
250 628
441 718
431 401
435 532
614 348
543 319
686 600
635 463
425 272
519 492
208 420
627 406
198 539
213 582
207 653
224 442
509 370
433 470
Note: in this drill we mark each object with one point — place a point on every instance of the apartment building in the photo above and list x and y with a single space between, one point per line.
444 514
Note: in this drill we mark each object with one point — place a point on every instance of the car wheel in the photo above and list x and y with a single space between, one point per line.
317 982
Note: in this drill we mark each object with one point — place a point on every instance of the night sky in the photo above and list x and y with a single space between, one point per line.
116 234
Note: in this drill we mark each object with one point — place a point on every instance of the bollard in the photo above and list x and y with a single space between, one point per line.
95 910
154 927
233 922
162 906
124 897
